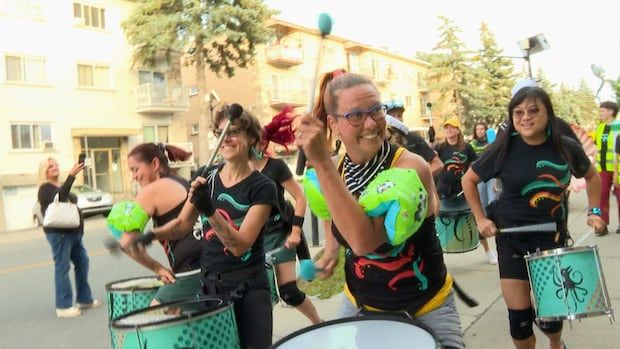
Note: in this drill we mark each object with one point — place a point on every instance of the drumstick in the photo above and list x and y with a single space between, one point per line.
325 27
543 227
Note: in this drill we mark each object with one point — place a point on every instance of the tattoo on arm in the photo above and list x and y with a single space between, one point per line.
223 232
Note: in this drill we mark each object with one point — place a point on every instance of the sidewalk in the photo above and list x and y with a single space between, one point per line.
486 326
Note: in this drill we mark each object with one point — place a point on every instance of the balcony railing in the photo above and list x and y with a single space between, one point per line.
161 99
282 56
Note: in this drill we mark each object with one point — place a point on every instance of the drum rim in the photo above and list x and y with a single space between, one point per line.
607 311
299 332
223 306
560 251
469 250
108 286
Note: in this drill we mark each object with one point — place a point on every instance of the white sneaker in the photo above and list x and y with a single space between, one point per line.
68 312
492 257
95 304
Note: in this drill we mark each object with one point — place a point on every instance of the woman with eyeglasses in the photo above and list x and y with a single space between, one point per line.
161 198
381 204
534 162
235 203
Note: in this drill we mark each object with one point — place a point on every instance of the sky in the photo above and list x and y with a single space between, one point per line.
579 33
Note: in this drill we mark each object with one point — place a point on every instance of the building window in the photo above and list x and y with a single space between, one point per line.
30 136
89 16
155 133
408 101
195 129
28 69
92 75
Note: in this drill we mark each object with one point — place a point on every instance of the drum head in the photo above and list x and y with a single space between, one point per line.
367 332
172 311
141 283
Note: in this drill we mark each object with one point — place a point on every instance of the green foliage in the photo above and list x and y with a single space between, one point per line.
223 34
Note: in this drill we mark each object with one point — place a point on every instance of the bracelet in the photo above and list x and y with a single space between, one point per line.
595 211
297 221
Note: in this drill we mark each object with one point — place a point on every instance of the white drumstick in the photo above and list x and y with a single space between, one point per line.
543 227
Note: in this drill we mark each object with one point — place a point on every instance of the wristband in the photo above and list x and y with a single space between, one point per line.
297 221
595 211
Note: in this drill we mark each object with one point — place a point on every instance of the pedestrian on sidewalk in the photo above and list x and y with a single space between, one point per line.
393 266
486 190
285 229
606 159
67 246
534 161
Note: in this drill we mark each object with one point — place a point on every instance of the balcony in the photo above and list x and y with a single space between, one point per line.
161 99
284 57
380 77
281 97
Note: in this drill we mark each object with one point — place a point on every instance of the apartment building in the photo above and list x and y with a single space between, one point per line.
283 75
67 85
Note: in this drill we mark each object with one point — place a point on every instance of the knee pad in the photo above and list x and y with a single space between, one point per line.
549 326
521 323
291 294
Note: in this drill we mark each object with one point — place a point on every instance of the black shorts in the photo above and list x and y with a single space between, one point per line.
511 250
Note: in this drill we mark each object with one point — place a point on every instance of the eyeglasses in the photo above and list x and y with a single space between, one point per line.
519 113
232 132
357 117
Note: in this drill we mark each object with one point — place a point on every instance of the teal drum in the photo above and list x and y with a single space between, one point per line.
273 288
205 323
568 283
456 227
125 296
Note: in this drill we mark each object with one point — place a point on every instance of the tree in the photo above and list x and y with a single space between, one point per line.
448 69
220 35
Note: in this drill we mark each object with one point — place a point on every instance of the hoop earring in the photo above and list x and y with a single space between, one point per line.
256 154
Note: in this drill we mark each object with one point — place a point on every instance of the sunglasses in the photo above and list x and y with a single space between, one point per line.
232 132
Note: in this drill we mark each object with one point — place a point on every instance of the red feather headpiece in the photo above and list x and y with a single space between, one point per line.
280 129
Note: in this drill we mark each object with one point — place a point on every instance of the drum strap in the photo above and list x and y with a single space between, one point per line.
221 283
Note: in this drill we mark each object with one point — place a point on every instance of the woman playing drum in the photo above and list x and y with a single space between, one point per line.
284 230
393 258
161 197
236 202
534 163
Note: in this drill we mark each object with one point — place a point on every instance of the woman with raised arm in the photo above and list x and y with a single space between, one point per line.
379 200
235 203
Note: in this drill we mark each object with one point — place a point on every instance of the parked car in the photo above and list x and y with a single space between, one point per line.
90 201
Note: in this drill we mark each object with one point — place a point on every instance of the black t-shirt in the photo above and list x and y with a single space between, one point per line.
183 254
533 179
233 204
455 164
418 145
278 171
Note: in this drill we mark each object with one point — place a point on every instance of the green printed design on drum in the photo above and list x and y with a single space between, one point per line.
566 284
125 296
457 232
148 328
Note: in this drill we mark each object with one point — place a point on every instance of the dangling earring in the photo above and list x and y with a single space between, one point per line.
256 154
338 145
548 130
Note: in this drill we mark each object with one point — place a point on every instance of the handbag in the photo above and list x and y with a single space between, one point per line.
63 215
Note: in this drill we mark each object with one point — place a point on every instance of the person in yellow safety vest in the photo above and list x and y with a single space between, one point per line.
606 159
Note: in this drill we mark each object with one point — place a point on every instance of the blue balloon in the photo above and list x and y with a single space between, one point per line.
325 24
491 135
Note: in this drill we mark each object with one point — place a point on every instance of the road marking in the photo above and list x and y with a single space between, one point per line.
43 264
